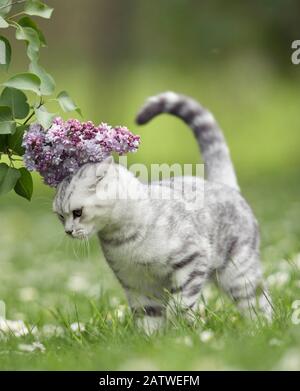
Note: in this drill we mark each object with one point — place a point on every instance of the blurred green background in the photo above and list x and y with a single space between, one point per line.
235 58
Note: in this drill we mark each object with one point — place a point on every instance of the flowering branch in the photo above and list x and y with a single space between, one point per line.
67 145
16 110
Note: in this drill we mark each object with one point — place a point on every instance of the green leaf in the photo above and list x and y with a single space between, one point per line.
35 7
24 185
5 7
16 100
25 81
31 36
7 124
3 23
5 113
14 141
8 178
28 22
44 118
66 102
47 81
7 127
3 142
5 52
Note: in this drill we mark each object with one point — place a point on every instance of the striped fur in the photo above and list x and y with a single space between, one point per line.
164 251
211 141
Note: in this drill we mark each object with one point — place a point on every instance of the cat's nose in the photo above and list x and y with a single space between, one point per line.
69 232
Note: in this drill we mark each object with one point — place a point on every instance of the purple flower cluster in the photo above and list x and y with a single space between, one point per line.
59 151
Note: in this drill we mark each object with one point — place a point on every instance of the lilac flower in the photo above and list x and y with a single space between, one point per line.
67 145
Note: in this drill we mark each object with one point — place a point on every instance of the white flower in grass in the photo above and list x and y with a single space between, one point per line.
28 293
52 330
33 330
15 328
278 279
77 327
120 312
78 283
185 340
206 335
35 346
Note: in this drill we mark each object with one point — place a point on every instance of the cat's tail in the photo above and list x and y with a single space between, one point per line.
216 156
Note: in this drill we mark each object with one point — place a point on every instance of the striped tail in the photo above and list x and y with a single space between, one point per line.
216 156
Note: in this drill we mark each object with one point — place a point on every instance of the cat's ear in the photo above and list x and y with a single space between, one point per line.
99 171
103 167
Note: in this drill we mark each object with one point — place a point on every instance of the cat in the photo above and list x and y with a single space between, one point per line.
164 251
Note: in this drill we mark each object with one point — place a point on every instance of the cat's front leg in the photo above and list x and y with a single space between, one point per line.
148 313
188 277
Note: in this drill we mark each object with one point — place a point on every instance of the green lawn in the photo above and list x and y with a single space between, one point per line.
75 316
66 301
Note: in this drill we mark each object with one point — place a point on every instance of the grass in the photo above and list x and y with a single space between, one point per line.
71 303
63 296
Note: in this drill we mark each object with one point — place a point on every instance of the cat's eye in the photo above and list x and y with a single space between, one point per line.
77 213
61 217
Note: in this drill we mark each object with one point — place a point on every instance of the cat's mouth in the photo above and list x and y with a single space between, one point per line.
81 235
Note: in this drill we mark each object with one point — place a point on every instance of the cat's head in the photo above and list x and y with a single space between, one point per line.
84 201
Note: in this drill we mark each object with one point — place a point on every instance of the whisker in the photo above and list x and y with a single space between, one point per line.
75 251
87 243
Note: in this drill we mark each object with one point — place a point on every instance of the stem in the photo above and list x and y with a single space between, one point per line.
13 24
14 3
32 114
29 118
13 16
15 160
9 154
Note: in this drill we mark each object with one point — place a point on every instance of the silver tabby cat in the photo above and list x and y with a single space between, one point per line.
164 251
